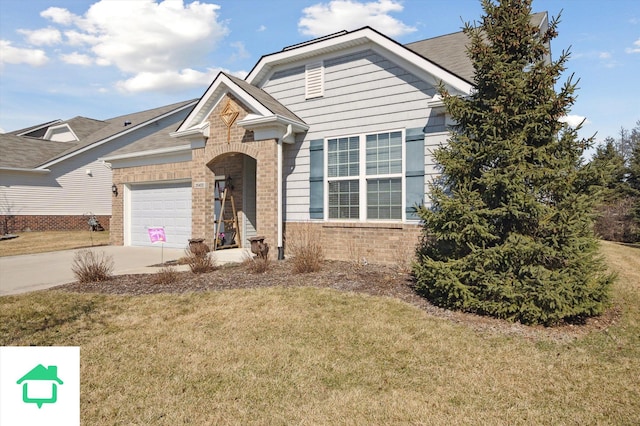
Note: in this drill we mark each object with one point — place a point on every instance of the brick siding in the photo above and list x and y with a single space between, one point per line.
22 223
386 243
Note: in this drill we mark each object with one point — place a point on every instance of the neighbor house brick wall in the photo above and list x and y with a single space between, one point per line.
141 174
356 242
21 223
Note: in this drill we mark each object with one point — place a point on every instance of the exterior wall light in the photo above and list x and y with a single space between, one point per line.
114 189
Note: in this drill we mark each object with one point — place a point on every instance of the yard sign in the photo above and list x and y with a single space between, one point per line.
157 235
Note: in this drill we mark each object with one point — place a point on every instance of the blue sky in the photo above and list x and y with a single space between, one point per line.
101 59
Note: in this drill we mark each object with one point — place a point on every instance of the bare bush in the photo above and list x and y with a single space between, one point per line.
257 264
305 244
89 266
166 275
405 255
199 259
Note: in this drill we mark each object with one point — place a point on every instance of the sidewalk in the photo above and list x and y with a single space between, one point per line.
21 274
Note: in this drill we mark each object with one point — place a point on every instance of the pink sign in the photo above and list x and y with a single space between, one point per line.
156 235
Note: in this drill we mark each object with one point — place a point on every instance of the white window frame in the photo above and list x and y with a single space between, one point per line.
363 178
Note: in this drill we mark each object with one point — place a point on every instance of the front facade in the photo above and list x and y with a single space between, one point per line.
333 136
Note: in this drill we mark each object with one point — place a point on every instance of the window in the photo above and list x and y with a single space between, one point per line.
366 171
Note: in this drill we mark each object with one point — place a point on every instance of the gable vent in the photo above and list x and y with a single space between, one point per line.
314 80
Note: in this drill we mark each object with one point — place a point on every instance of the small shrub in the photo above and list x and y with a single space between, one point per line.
306 249
166 275
257 264
199 259
89 266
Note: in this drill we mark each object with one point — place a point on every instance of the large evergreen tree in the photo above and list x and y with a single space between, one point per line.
509 232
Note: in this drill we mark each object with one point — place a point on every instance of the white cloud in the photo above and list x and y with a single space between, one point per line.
164 81
144 36
635 48
573 120
604 55
16 55
76 38
172 81
261 28
2 130
42 37
326 18
76 58
241 51
59 15
145 39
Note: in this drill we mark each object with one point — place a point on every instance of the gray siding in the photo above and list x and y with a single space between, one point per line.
363 92
68 189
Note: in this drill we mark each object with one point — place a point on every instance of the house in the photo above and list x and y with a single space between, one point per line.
51 177
40 385
333 135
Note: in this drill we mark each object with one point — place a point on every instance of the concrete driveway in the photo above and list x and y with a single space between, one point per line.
30 272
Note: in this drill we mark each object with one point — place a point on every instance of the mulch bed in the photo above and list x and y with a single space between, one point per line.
372 279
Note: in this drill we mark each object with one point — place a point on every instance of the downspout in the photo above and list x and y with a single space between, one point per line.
284 138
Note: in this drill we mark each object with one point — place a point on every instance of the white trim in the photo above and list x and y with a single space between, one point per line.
117 135
221 86
362 37
24 170
38 127
201 130
253 121
149 153
51 129
362 178
436 102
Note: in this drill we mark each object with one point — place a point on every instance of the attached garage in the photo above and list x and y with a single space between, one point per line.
165 205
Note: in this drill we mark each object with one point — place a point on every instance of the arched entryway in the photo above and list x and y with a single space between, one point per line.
238 172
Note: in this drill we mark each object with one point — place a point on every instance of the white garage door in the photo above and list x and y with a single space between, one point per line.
167 205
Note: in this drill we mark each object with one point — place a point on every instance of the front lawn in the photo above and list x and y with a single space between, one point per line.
40 242
321 356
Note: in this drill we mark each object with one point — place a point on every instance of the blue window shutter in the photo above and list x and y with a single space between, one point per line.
414 171
316 179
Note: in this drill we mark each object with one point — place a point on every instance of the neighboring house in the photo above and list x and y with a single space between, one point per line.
51 177
335 134
40 385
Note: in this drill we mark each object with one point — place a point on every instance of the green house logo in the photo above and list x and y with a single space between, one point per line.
40 385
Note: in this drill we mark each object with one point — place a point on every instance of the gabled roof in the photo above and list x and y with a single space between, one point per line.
365 37
21 152
34 131
82 127
260 102
450 51
157 140
26 153
266 99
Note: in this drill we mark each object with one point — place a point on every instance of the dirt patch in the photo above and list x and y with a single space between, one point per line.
376 280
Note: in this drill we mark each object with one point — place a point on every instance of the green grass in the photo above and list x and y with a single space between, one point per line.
318 356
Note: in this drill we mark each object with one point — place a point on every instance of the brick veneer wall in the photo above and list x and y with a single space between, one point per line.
21 223
220 155
387 243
